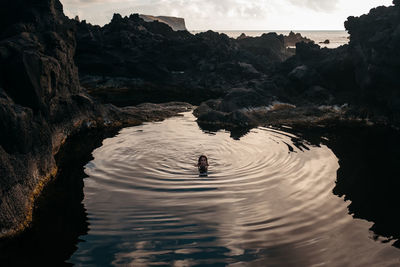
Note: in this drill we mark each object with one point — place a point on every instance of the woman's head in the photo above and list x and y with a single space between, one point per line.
203 160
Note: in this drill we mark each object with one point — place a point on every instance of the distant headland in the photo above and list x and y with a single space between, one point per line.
177 24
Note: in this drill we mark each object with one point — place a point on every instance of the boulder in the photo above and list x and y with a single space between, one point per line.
269 46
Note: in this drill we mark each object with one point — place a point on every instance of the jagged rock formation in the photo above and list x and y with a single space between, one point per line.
374 42
293 38
364 73
129 61
41 104
177 24
38 83
242 36
257 46
289 40
361 77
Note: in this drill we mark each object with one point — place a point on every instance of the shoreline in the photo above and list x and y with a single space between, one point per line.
63 194
129 116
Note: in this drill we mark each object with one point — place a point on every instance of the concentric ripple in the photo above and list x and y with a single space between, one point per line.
265 201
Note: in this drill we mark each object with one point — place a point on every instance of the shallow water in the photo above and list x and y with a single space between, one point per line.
267 201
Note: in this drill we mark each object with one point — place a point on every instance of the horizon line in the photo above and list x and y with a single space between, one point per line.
272 30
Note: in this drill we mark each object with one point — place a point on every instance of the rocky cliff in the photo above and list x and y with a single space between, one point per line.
38 85
42 104
177 24
373 49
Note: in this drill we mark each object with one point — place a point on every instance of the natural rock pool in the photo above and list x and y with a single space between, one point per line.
267 201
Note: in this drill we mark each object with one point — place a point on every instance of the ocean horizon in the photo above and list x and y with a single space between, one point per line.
336 37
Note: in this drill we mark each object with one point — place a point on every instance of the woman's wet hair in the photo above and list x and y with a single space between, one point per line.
203 156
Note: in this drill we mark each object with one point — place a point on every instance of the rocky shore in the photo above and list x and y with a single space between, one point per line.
130 61
42 104
358 81
246 81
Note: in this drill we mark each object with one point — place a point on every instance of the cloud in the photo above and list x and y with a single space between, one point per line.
229 14
204 8
200 13
318 5
86 2
198 8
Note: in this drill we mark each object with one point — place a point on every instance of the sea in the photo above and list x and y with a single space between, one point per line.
336 38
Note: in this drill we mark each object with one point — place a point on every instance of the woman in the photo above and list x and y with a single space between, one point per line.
202 165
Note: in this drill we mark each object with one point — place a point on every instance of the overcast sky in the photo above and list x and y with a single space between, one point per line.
231 14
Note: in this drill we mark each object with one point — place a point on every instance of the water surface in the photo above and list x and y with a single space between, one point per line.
267 202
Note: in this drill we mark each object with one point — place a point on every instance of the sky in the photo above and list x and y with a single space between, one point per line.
220 15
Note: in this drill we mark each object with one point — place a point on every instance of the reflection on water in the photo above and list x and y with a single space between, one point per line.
59 216
369 177
267 200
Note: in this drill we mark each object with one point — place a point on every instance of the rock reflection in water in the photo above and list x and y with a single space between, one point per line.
266 200
369 159
369 177
59 217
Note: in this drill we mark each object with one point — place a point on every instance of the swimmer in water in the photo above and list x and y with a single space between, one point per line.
202 164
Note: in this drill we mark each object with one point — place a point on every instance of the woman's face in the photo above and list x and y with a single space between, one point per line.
203 161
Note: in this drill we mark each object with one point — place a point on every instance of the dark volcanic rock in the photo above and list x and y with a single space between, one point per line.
42 104
237 108
242 36
362 76
325 42
38 79
268 46
374 42
165 64
365 74
368 69
293 38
